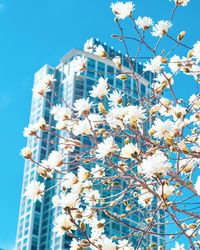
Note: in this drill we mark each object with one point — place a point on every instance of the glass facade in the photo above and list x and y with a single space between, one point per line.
35 222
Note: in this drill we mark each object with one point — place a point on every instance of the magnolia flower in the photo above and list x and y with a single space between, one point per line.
178 246
82 106
197 185
161 28
124 245
164 78
157 164
195 101
40 89
69 200
44 169
98 226
55 159
107 244
122 10
176 63
97 171
178 112
26 153
162 129
181 3
92 197
165 190
101 89
195 72
75 245
31 130
60 113
79 64
106 148
63 224
129 151
196 51
154 65
134 114
115 98
117 61
69 180
100 51
145 198
83 174
115 116
35 190
144 22
83 128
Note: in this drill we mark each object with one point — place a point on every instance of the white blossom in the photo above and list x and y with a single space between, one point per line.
144 22
155 165
69 200
122 10
26 152
145 198
106 148
79 64
181 3
163 128
155 65
178 246
82 106
55 159
165 190
129 151
115 98
100 51
61 113
101 89
161 28
31 130
35 190
63 224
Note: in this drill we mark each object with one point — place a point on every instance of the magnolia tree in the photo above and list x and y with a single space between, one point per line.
154 171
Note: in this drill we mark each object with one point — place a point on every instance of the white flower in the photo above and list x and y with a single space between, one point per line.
117 61
181 3
115 98
75 245
60 113
83 128
144 22
44 170
195 101
82 106
101 89
178 112
55 159
161 28
69 200
31 130
40 89
145 198
63 224
124 245
154 65
69 180
196 51
155 165
92 197
115 116
106 148
100 51
122 10
98 226
163 128
79 64
165 190
97 171
177 64
26 153
197 185
108 244
195 71
35 190
83 174
134 114
164 78
178 246
129 151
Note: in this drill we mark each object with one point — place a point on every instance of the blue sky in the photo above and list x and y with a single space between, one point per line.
37 32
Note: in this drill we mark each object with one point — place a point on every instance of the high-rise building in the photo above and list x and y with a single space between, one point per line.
35 222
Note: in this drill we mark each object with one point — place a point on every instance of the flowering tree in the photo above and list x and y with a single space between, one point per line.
154 172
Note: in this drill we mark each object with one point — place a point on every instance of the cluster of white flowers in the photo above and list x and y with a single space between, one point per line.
43 86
